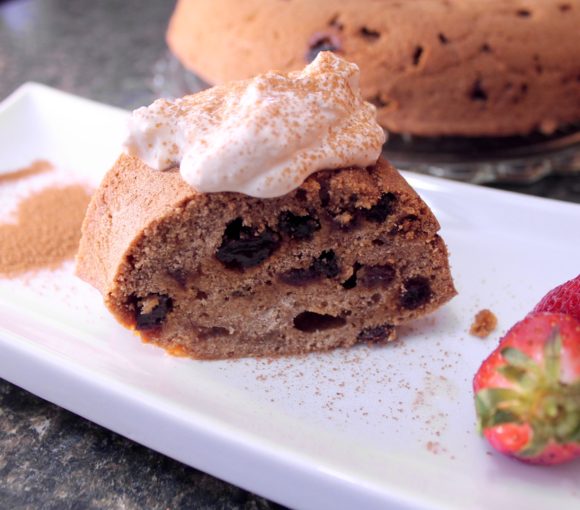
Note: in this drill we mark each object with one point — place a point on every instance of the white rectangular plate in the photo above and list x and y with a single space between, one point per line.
389 427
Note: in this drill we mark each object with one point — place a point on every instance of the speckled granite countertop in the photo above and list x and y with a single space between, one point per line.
50 458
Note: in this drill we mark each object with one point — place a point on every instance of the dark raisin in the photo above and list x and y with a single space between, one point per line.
523 13
179 275
369 34
150 312
244 247
297 227
477 92
301 195
335 23
324 192
327 264
376 334
299 276
377 276
417 292
442 38
310 322
322 41
379 212
418 53
378 101
350 283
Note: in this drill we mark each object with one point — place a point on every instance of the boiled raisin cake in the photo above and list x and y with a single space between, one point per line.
432 67
341 255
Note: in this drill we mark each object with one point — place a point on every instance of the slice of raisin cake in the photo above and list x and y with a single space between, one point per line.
345 258
256 219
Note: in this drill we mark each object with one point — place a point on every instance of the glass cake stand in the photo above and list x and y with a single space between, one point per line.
516 159
486 160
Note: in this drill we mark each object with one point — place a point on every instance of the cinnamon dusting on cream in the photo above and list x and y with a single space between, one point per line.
264 136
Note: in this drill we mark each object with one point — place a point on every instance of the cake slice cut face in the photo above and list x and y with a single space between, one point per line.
343 259
256 219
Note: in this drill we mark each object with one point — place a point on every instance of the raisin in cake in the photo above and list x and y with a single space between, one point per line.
432 67
325 247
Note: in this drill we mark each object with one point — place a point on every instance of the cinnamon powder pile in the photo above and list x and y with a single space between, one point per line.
46 231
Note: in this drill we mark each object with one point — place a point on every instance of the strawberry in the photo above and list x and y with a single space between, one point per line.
562 299
527 392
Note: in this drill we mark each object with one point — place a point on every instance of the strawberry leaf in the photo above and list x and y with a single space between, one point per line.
517 358
492 397
502 416
488 402
512 373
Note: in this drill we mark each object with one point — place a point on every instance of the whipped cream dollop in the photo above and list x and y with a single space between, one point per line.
263 136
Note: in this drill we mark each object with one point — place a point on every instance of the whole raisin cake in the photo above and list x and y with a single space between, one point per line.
432 67
256 219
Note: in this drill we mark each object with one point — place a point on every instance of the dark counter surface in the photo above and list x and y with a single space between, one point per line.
49 457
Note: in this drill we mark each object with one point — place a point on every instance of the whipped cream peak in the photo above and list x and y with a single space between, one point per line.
263 136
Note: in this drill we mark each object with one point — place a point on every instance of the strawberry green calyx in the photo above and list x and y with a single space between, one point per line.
534 395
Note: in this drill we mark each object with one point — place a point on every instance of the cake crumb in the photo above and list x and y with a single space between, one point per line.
483 324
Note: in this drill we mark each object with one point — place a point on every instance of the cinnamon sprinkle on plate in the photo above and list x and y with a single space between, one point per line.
36 167
46 231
